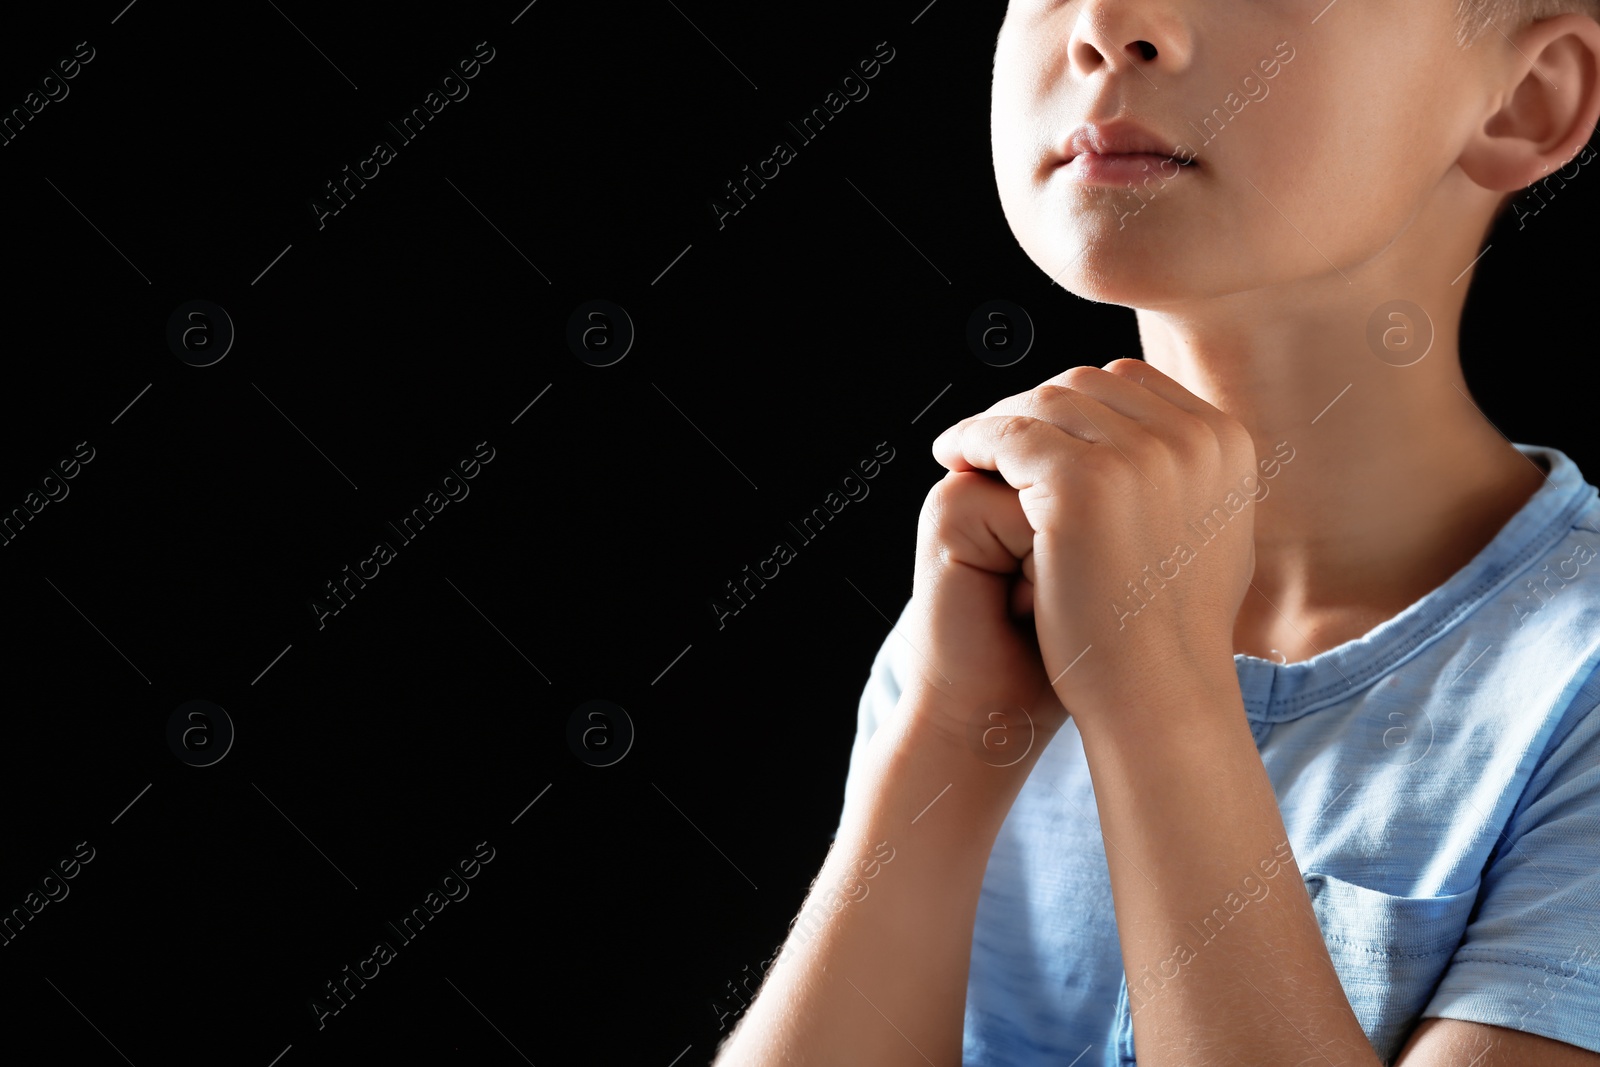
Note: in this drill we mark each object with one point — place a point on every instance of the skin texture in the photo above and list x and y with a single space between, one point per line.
1370 173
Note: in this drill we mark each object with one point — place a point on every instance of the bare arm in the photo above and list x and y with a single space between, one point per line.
1452 1042
884 979
1183 795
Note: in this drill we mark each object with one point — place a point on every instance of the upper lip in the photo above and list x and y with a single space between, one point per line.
1116 138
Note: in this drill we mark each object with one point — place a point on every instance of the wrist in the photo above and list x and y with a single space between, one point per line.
1000 733
1190 697
927 772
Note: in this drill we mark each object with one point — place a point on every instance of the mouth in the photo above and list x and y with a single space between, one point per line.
1123 168
1119 153
1154 157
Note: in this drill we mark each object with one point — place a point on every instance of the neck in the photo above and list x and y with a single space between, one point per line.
1396 479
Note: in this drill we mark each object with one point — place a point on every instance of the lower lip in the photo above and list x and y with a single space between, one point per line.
1090 168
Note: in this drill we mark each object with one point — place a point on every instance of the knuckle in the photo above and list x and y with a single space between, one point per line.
943 502
1012 426
1233 440
1194 428
1050 396
1077 377
945 529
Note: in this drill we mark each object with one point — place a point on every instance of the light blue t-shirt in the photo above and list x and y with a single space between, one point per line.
1439 780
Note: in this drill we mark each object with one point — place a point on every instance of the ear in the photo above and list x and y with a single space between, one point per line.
1549 109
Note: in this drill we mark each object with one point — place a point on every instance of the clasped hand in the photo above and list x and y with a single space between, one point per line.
1038 588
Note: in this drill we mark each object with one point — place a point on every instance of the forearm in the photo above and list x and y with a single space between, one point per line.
883 980
1225 959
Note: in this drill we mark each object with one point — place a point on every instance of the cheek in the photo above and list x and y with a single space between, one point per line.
1298 204
1346 164
1017 149
1028 111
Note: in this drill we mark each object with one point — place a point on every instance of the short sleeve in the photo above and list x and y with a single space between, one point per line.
878 698
1530 958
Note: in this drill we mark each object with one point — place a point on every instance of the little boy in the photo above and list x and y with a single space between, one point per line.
1242 710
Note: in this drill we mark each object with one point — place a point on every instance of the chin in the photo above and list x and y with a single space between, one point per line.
1114 269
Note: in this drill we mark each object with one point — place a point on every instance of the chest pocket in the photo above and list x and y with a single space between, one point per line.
1389 952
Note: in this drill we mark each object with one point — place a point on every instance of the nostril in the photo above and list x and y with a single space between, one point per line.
1146 50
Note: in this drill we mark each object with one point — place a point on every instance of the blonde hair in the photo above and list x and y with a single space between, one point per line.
1474 18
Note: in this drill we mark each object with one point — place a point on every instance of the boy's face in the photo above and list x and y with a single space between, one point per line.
1311 142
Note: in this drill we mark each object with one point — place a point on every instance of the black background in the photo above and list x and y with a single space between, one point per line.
771 355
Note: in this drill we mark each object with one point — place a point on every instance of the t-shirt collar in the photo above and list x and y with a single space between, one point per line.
1277 692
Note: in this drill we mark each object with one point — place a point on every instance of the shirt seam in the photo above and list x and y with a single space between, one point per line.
1366 947
1545 965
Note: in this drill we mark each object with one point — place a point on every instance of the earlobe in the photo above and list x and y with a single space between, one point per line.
1549 110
